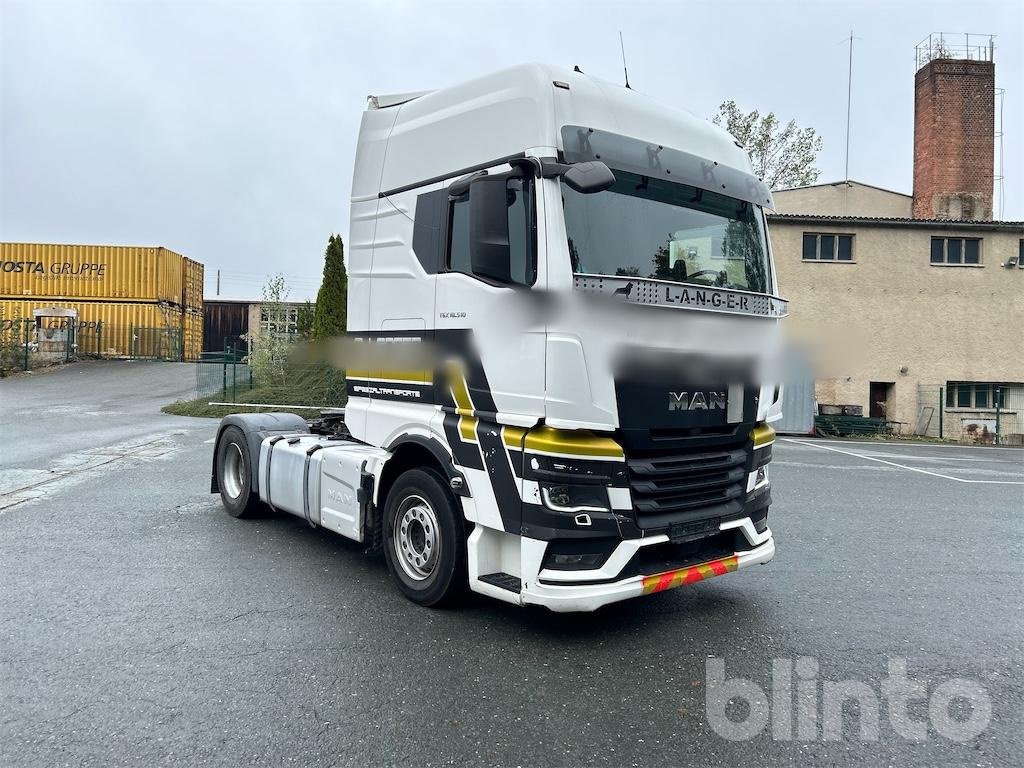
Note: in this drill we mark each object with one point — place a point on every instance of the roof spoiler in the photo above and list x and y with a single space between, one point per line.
392 99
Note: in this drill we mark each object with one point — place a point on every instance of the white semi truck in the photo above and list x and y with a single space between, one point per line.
562 319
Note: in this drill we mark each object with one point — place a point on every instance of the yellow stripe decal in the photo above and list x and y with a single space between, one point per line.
762 434
513 436
460 391
571 442
463 403
467 428
410 377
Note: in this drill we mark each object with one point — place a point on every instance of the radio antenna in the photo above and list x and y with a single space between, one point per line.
849 98
622 47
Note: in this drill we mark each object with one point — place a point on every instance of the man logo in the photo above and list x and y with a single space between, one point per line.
696 401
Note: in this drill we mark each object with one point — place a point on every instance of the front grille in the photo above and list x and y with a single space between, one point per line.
686 487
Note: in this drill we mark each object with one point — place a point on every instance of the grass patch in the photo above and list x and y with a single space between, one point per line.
201 408
313 386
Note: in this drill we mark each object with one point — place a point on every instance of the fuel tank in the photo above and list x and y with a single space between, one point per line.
327 482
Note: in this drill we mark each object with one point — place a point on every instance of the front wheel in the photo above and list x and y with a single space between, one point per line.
424 539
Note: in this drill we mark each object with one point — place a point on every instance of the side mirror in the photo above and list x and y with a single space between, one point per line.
490 253
589 177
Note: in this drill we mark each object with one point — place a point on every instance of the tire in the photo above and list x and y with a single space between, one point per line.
234 475
425 539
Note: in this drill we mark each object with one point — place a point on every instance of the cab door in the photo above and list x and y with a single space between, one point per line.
489 324
488 312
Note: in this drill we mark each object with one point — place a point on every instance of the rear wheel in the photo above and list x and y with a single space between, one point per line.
425 539
234 475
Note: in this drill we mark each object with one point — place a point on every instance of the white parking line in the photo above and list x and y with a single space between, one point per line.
912 457
901 466
916 444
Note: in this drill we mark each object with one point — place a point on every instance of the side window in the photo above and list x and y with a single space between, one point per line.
522 263
520 234
458 235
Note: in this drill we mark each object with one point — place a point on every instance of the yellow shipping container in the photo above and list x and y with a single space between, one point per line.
192 282
192 334
111 272
121 329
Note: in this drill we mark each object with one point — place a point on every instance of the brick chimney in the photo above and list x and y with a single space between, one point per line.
954 134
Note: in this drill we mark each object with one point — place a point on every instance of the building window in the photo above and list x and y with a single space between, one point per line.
963 396
956 250
282 323
827 247
972 394
982 395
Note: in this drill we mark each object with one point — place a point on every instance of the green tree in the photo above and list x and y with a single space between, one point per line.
782 155
304 323
269 347
330 316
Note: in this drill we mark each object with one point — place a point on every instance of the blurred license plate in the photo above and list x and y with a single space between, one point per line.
680 532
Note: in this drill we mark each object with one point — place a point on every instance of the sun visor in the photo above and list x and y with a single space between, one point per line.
582 144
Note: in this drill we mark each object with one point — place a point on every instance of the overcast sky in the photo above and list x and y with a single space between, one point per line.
225 130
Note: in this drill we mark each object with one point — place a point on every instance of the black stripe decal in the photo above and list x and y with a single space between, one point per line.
386 390
506 488
466 454
453 174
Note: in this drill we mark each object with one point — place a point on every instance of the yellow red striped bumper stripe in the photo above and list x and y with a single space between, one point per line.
659 582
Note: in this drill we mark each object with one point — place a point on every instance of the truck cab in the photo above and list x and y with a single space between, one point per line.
563 326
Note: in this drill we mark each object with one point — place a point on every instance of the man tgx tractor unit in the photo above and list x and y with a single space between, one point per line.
562 320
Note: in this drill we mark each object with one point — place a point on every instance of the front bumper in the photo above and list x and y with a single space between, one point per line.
546 590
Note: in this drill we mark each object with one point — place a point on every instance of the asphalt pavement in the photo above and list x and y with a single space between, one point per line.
141 625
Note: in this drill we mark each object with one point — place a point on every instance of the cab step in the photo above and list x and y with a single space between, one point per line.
503 581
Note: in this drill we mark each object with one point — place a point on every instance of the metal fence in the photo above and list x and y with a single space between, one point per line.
129 341
25 346
228 377
971 413
238 343
954 45
220 376
156 344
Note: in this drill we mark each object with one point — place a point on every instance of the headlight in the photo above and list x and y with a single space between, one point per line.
563 497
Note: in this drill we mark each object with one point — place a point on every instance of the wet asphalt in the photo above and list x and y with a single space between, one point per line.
141 625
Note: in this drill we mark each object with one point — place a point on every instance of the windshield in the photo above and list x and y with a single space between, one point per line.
647 227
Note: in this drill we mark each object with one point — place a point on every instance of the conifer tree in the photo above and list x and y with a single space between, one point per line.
330 315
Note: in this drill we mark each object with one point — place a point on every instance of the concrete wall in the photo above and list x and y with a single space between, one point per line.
890 308
843 199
